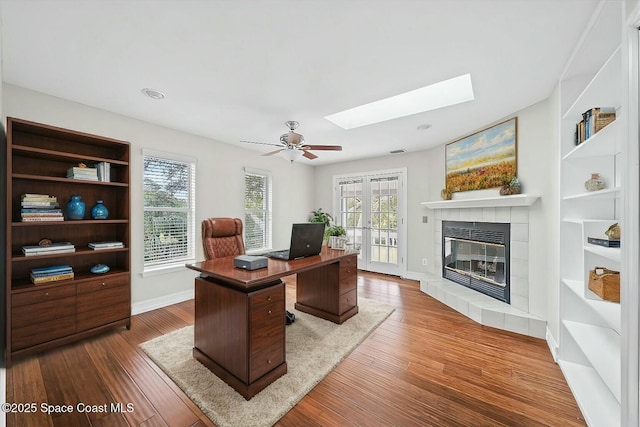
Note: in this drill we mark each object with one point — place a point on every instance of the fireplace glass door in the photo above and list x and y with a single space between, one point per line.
484 261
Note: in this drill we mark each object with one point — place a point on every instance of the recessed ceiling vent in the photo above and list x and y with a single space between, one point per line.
402 150
152 93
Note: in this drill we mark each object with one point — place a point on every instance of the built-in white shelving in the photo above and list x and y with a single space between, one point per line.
597 404
608 193
601 346
607 312
590 337
613 254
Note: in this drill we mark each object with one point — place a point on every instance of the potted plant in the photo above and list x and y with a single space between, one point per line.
320 216
511 185
336 234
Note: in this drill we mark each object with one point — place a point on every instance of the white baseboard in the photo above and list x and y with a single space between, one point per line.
553 345
413 275
155 303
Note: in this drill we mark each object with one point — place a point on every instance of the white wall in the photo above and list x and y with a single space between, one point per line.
536 164
219 177
220 185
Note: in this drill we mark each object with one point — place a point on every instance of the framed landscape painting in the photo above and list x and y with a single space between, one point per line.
485 159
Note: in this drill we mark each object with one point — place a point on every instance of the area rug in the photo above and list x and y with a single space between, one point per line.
313 348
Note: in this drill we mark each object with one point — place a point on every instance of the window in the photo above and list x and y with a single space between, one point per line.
257 209
169 210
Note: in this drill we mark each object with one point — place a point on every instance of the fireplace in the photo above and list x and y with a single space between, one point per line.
476 255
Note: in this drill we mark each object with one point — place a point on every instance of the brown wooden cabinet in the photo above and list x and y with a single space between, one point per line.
50 314
240 336
334 303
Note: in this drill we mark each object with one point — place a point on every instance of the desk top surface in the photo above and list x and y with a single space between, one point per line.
223 268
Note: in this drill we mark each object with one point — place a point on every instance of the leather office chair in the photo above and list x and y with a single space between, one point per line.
222 237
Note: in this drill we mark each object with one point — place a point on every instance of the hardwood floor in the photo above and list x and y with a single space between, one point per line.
425 365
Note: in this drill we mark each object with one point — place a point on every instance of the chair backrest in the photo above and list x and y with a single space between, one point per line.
222 237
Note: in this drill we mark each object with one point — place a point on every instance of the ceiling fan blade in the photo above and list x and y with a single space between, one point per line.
323 147
309 155
261 143
271 153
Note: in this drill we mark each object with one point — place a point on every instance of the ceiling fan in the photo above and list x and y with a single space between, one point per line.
292 145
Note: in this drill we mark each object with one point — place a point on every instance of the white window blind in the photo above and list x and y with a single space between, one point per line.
257 209
169 209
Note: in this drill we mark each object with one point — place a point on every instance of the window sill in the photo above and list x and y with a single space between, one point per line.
258 252
166 269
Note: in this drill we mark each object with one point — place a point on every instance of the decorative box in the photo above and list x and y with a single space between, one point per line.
605 283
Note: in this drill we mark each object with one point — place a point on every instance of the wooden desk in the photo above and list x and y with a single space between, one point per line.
240 315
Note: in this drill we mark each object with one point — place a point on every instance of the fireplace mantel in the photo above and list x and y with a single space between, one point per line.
485 202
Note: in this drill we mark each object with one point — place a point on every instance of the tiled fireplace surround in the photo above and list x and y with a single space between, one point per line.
475 305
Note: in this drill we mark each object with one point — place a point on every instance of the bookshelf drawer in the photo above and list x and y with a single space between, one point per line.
34 314
96 301
42 332
103 315
40 295
107 282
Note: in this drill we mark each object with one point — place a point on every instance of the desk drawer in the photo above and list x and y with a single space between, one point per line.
348 274
267 347
348 301
348 284
267 330
348 267
350 261
266 298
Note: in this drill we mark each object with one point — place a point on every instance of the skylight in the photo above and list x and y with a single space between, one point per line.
448 92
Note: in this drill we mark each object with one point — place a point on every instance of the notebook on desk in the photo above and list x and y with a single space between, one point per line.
306 240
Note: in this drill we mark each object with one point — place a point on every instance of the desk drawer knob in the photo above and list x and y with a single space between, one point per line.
46 294
268 311
269 298
269 361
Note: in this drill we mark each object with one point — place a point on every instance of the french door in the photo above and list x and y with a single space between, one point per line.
371 207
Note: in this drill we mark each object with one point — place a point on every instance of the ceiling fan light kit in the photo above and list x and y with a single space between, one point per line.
292 145
292 154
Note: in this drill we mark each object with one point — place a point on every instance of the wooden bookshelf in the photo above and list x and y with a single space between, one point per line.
46 315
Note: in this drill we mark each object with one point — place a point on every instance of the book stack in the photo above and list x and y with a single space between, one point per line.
89 174
51 274
40 207
105 245
607 243
592 122
104 171
52 249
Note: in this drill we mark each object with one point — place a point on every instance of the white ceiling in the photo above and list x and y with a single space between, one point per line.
235 70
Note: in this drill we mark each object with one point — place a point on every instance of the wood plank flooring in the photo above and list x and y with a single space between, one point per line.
426 365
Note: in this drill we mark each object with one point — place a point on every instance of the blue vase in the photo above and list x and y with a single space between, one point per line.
99 211
75 207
